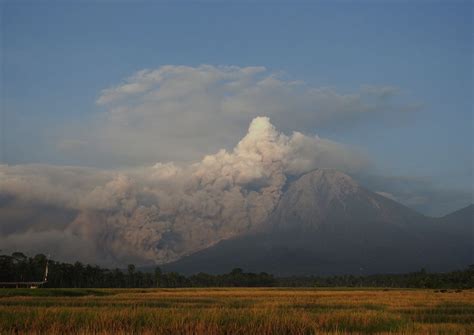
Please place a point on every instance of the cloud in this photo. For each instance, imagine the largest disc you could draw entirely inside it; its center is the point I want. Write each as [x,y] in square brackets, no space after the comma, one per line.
[175,198]
[163,211]
[421,194]
[64,186]
[158,213]
[54,242]
[181,113]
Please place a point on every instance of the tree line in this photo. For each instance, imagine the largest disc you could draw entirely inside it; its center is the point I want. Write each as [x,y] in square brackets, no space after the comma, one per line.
[462,279]
[18,267]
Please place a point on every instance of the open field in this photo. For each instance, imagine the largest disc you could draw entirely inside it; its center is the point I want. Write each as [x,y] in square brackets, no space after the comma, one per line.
[235,311]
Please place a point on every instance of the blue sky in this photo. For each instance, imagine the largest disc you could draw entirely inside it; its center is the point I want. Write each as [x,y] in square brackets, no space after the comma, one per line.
[57,57]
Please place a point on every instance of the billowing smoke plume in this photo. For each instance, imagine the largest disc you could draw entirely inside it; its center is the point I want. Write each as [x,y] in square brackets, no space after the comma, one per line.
[160,213]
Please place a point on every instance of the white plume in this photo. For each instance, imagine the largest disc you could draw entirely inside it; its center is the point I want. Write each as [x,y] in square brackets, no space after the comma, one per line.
[160,213]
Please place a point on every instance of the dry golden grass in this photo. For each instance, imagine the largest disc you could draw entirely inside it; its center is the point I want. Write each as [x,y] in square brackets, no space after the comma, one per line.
[236,311]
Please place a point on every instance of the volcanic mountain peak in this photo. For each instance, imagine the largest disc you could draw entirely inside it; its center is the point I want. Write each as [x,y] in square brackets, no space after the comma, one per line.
[309,199]
[325,223]
[329,199]
[328,183]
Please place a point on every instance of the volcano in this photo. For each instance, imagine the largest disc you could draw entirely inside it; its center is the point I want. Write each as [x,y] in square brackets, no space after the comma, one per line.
[326,223]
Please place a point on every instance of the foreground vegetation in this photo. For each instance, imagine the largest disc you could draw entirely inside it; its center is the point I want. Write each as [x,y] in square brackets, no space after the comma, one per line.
[18,267]
[158,306]
[235,311]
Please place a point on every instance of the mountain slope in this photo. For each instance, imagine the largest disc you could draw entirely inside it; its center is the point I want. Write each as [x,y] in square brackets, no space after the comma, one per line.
[325,223]
[459,222]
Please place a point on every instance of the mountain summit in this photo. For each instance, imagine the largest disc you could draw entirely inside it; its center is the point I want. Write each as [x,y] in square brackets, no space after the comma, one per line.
[310,199]
[326,223]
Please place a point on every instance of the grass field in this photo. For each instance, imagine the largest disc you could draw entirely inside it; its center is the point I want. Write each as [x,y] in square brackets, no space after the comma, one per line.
[235,311]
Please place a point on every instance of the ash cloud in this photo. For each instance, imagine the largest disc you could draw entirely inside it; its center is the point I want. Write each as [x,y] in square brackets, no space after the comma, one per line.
[181,113]
[159,213]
